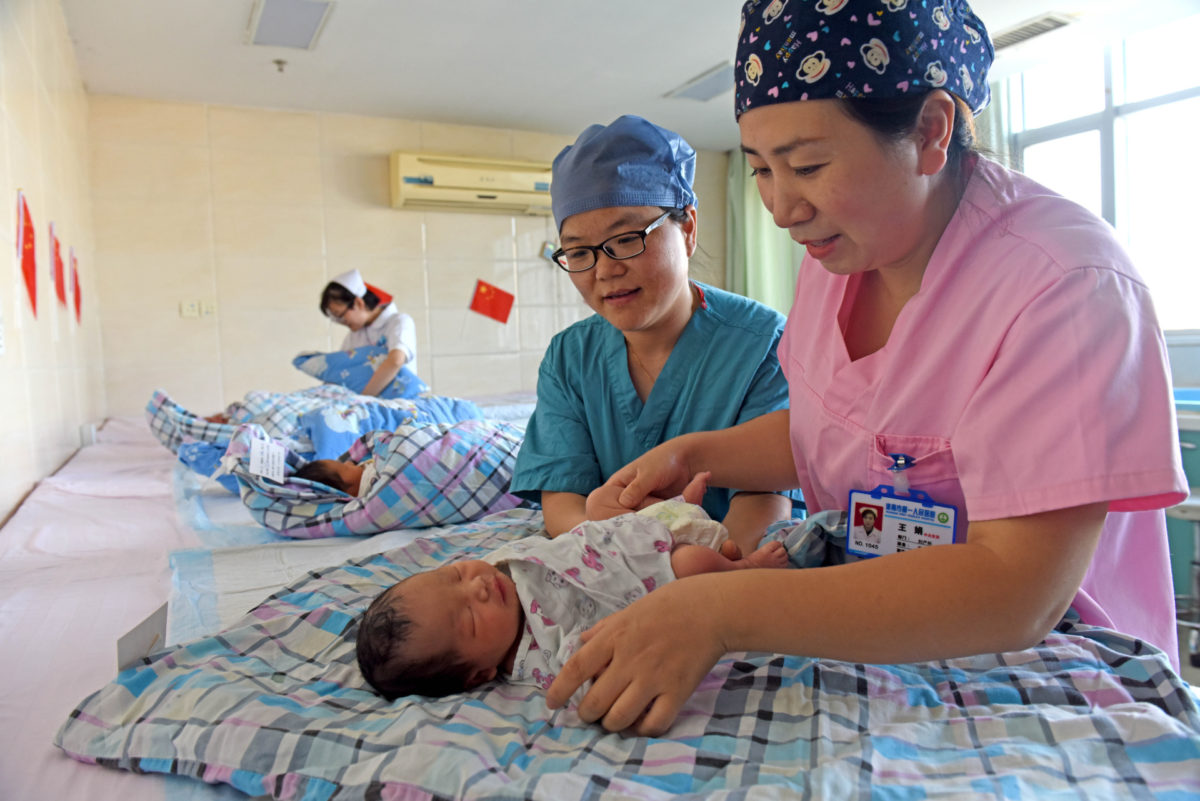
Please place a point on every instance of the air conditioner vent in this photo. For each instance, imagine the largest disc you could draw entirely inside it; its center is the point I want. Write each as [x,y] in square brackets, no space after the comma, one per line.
[1029,29]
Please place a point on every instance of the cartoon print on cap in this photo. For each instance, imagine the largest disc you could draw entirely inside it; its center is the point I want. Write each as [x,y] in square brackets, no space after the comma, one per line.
[935,75]
[875,55]
[813,67]
[965,76]
[830,7]
[772,12]
[940,19]
[754,68]
[923,46]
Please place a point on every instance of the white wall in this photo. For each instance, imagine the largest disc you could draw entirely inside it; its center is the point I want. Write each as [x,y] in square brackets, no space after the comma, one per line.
[51,370]
[255,210]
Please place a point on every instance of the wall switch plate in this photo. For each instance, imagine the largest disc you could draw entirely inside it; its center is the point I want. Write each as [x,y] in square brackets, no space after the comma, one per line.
[189,308]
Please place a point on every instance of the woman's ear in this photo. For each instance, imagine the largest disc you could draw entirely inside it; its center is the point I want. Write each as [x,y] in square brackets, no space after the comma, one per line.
[689,227]
[935,127]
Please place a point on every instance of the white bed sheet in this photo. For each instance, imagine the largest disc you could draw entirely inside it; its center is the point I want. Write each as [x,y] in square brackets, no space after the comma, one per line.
[83,560]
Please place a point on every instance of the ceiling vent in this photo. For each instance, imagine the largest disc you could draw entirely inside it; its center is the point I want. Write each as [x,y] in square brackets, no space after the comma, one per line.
[288,23]
[709,84]
[1029,29]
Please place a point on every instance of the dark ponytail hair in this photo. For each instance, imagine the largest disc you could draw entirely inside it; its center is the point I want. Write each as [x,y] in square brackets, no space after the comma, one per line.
[893,118]
[335,292]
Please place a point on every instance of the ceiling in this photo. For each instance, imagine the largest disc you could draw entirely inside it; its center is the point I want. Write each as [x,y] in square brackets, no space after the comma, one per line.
[554,66]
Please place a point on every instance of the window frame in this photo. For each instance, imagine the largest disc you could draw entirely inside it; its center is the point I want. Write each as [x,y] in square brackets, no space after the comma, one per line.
[1104,122]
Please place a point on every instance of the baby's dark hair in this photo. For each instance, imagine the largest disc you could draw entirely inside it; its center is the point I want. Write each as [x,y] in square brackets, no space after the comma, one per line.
[321,470]
[336,292]
[383,631]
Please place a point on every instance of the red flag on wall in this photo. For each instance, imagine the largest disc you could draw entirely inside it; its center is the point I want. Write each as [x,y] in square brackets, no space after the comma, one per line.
[492,301]
[75,287]
[56,268]
[25,250]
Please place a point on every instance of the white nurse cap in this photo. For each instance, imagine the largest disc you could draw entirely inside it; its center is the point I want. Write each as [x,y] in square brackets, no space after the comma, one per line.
[353,281]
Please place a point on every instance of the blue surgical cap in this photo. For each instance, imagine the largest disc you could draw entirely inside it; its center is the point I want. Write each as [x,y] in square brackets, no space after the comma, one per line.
[630,162]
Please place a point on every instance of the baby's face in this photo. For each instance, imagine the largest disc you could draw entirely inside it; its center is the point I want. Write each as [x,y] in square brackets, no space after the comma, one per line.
[349,475]
[470,608]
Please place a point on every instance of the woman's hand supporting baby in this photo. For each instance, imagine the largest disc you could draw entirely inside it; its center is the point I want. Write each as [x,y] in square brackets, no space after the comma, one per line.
[643,661]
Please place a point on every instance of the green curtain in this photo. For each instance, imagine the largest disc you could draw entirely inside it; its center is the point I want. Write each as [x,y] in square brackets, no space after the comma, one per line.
[761,260]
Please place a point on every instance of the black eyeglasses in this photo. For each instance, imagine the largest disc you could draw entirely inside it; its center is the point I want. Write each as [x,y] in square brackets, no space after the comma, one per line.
[578,258]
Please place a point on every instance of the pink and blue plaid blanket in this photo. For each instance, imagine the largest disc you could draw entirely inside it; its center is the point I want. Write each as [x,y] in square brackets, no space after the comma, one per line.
[275,706]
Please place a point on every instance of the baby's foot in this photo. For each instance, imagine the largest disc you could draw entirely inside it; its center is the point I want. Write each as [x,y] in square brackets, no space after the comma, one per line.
[773,554]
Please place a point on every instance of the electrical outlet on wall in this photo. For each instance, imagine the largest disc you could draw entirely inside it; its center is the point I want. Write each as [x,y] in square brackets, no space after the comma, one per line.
[208,308]
[189,308]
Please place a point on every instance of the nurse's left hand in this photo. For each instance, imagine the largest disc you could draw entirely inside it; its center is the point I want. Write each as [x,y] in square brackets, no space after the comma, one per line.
[646,660]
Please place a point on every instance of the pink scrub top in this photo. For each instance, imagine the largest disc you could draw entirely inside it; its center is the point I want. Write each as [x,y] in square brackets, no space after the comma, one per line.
[1028,374]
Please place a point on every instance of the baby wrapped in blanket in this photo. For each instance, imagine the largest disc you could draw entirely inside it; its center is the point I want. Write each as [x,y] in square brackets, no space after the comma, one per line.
[519,612]
[413,477]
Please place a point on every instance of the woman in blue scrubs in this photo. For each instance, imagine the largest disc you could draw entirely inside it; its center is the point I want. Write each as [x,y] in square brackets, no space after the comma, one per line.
[662,356]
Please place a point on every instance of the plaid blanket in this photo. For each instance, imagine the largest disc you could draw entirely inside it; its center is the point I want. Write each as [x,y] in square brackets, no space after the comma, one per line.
[278,413]
[429,475]
[275,706]
[319,422]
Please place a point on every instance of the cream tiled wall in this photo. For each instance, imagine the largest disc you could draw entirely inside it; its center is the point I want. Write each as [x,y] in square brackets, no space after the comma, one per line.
[51,368]
[254,210]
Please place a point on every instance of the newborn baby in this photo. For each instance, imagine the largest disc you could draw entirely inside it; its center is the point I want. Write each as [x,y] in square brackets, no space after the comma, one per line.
[348,477]
[519,611]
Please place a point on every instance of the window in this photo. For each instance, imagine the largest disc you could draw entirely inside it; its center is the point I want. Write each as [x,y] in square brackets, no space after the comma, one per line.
[1114,129]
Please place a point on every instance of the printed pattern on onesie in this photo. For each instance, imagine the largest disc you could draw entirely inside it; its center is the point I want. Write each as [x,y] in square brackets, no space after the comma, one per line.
[568,584]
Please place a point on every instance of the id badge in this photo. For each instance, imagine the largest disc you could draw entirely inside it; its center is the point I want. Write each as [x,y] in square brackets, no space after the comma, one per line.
[883,521]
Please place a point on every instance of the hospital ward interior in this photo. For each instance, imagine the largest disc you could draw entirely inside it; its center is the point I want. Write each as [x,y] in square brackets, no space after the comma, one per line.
[249,236]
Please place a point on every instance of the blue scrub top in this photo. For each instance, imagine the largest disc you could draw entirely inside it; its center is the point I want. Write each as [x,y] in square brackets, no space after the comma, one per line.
[589,421]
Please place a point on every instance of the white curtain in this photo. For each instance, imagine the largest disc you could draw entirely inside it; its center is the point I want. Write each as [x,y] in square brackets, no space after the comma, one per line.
[993,129]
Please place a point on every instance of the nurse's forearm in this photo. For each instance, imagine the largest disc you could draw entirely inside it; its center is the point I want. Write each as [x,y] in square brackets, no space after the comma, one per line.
[562,511]
[385,372]
[755,456]
[1001,590]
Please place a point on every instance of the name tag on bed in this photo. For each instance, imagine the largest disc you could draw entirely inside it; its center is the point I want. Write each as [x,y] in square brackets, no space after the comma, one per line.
[143,639]
[884,521]
[267,460]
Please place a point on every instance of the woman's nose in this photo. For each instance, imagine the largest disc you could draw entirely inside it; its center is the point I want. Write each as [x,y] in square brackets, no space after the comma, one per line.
[608,267]
[789,207]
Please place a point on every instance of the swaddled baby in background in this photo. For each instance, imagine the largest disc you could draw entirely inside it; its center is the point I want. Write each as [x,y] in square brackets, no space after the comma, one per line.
[519,612]
[352,478]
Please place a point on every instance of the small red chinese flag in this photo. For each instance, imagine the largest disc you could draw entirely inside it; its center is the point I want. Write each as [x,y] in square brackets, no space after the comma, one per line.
[56,266]
[492,301]
[25,250]
[75,287]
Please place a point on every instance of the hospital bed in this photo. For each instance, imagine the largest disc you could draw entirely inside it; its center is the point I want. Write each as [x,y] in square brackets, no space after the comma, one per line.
[122,527]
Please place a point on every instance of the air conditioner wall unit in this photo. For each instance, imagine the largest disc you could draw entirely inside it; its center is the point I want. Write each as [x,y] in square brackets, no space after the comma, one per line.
[436,181]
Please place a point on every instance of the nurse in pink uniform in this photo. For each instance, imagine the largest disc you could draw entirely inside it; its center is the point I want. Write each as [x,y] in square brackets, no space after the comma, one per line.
[950,310]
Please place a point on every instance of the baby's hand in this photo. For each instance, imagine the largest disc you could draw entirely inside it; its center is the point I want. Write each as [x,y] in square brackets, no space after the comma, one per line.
[694,491]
